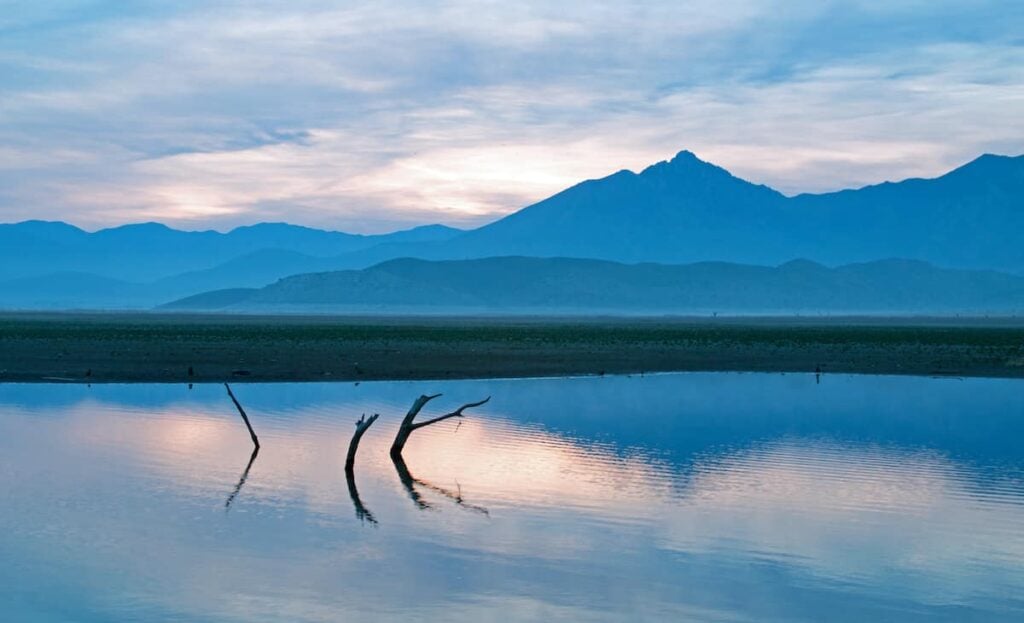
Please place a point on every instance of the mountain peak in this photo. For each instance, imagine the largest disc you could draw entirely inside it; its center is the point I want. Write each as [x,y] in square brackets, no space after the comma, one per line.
[279,228]
[687,157]
[42,225]
[989,162]
[685,163]
[148,226]
[989,157]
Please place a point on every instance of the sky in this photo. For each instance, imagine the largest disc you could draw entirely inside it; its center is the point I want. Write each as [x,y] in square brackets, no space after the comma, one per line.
[369,117]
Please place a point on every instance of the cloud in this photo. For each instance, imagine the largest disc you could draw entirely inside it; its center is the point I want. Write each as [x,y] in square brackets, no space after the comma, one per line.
[399,113]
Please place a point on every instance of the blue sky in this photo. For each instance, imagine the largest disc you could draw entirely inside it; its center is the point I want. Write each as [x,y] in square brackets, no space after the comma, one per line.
[373,116]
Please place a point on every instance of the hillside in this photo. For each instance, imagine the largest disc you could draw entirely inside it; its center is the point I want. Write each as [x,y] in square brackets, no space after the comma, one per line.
[147,252]
[687,210]
[46,265]
[684,210]
[560,285]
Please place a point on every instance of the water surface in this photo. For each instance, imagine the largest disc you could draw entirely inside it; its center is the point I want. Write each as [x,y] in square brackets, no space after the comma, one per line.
[732,497]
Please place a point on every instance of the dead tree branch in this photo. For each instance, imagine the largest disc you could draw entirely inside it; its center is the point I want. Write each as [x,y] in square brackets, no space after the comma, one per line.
[455,413]
[361,427]
[408,426]
[245,418]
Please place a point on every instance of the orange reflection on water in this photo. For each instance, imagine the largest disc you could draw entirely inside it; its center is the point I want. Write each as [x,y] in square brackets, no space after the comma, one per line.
[809,501]
[516,465]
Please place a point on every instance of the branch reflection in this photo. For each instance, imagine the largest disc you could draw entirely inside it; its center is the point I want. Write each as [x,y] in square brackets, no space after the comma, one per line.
[241,481]
[409,482]
[363,514]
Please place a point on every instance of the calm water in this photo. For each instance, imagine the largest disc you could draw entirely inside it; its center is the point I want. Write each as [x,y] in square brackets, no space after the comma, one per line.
[678,497]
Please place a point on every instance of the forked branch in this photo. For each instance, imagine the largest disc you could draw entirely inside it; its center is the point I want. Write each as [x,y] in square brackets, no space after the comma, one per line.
[408,425]
[455,413]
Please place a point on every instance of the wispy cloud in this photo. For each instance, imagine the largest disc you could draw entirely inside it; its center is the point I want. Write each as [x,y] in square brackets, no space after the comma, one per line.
[371,116]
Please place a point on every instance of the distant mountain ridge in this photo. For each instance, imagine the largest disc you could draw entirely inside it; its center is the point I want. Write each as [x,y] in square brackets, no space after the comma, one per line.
[150,251]
[564,285]
[47,265]
[687,210]
[679,211]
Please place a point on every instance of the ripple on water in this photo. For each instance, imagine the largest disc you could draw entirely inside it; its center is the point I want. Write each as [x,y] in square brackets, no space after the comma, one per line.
[749,496]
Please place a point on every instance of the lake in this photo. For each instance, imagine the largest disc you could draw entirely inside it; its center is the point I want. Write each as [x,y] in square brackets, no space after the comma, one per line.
[710,497]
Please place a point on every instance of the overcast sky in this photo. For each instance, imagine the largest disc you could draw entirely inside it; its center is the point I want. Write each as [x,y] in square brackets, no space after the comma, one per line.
[373,116]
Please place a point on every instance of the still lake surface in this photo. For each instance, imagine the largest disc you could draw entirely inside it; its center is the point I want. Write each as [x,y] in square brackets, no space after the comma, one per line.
[710,497]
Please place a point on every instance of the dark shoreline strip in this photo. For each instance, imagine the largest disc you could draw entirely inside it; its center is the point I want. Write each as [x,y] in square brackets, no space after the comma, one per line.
[104,348]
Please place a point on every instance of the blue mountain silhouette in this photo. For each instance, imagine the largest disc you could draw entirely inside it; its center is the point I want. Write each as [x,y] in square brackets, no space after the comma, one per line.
[563,285]
[687,210]
[679,211]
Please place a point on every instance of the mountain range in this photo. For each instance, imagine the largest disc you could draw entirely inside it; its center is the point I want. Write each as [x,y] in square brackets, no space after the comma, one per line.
[150,251]
[580,286]
[46,265]
[687,210]
[681,211]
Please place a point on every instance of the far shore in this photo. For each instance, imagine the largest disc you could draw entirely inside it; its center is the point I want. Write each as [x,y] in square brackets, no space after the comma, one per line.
[182,348]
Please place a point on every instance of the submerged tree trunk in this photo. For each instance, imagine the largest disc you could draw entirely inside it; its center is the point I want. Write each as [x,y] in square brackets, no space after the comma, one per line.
[408,426]
[245,418]
[405,428]
[361,427]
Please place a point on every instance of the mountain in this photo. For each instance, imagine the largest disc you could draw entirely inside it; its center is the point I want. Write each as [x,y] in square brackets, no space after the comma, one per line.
[970,217]
[680,211]
[687,210]
[52,265]
[562,285]
[147,252]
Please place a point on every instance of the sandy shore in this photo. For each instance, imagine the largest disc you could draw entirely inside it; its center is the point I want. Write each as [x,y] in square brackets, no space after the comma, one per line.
[38,347]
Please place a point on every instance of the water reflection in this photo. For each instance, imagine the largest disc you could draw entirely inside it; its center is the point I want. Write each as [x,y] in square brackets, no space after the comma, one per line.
[410,482]
[363,514]
[663,498]
[242,479]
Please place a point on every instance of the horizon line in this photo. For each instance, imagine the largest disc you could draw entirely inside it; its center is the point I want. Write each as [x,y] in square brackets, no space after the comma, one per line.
[681,152]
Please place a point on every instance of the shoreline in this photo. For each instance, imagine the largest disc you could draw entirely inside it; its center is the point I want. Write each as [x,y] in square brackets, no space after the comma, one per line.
[146,348]
[569,376]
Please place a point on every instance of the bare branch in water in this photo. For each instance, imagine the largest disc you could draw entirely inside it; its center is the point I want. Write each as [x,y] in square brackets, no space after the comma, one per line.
[455,413]
[245,418]
[362,425]
[408,425]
